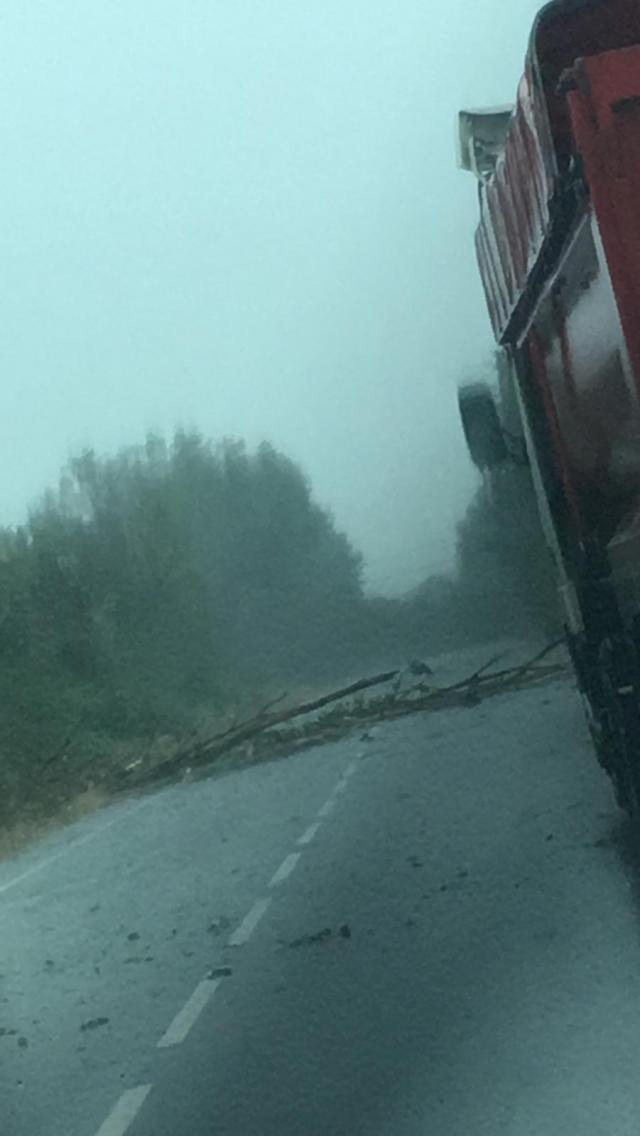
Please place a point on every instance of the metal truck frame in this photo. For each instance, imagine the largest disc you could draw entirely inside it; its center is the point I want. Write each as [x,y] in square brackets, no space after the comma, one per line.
[558,247]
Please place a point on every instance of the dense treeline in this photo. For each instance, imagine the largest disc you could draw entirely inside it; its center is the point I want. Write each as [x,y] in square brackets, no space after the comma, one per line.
[154,586]
[157,590]
[503,586]
[506,578]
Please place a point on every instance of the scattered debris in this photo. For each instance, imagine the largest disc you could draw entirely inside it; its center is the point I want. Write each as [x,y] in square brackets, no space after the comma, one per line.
[219,926]
[344,931]
[23,1043]
[309,940]
[133,936]
[93,1023]
[220,972]
[455,884]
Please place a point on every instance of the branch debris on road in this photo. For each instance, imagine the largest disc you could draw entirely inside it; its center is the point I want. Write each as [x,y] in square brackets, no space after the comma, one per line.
[272,733]
[343,932]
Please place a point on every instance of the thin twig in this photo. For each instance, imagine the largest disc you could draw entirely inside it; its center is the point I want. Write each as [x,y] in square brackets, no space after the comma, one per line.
[471,678]
[270,705]
[541,655]
[59,750]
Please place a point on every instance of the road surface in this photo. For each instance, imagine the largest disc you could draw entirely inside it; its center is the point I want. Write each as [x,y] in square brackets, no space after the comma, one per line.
[434,932]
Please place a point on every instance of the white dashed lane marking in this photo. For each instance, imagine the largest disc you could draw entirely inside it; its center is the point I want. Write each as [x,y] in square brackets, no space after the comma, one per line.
[130,1103]
[243,933]
[308,836]
[285,869]
[125,1111]
[328,807]
[189,1014]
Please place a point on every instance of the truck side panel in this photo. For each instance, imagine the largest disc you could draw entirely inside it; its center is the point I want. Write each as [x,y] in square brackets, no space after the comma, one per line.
[577,345]
[605,113]
[514,212]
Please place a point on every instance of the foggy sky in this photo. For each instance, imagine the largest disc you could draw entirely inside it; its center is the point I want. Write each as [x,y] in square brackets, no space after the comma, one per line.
[244,216]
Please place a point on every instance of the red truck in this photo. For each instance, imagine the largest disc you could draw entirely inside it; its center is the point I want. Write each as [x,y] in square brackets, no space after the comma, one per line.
[558,247]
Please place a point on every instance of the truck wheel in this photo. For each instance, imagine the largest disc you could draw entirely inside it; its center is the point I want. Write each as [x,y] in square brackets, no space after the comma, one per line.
[620,721]
[612,744]
[481,424]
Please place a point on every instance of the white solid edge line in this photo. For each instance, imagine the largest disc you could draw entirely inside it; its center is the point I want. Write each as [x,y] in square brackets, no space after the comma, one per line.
[189,1013]
[350,770]
[124,1112]
[93,835]
[340,785]
[245,930]
[285,869]
[328,807]
[308,836]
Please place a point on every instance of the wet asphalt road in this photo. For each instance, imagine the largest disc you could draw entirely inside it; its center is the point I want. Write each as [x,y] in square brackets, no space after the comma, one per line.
[449,946]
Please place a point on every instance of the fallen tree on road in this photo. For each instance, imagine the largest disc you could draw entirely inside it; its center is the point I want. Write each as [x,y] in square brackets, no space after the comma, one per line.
[270,732]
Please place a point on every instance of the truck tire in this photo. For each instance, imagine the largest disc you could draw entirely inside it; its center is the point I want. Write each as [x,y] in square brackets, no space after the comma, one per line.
[619,734]
[481,425]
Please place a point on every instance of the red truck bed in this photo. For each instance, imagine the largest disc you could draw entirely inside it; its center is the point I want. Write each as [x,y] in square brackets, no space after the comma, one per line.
[558,246]
[518,202]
